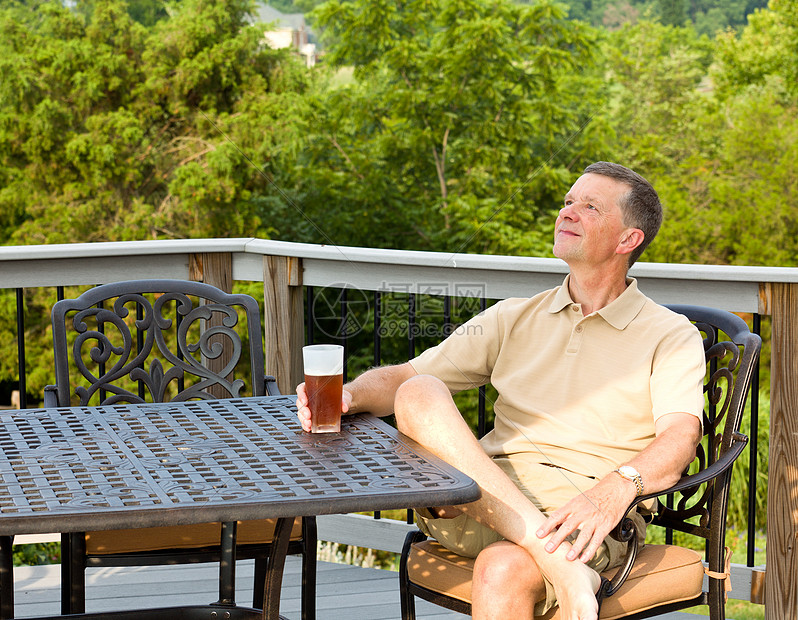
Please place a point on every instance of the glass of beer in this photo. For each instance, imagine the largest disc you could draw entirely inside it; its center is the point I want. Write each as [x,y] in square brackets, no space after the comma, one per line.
[324,382]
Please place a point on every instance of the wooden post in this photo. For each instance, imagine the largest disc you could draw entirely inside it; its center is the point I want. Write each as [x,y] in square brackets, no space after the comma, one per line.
[781,584]
[283,320]
[215,269]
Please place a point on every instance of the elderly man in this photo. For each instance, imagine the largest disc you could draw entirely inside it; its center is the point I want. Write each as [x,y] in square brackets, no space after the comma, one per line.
[599,400]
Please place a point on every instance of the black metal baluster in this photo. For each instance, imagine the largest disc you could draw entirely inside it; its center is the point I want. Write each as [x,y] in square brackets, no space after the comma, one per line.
[377,328]
[377,358]
[411,325]
[181,383]
[411,352]
[447,315]
[310,336]
[482,424]
[23,385]
[344,330]
[712,412]
[753,451]
[140,343]
[101,329]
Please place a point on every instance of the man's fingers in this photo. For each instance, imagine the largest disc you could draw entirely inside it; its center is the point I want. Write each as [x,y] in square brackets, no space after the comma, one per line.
[301,395]
[302,411]
[552,522]
[585,537]
[588,553]
[346,401]
[559,535]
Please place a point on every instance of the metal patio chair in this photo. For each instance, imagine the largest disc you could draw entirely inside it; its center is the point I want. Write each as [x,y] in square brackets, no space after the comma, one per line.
[653,579]
[156,341]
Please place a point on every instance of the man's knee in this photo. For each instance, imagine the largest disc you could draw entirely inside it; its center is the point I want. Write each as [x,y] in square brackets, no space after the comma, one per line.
[504,566]
[420,395]
[420,388]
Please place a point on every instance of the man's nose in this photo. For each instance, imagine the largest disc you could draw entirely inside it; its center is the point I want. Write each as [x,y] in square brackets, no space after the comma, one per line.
[568,212]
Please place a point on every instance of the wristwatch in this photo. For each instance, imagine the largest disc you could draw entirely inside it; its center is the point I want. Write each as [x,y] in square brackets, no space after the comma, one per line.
[630,473]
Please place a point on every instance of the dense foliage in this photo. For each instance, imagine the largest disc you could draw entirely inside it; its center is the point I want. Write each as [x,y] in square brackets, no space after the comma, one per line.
[707,16]
[429,124]
[111,131]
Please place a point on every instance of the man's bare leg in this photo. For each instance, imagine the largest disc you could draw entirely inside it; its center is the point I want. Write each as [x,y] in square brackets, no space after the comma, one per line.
[426,412]
[506,584]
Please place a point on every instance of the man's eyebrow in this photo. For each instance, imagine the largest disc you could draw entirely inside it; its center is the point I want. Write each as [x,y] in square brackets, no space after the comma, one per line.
[594,200]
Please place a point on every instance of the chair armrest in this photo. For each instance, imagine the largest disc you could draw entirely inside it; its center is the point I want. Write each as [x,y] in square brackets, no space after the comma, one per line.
[271,386]
[726,460]
[626,531]
[50,396]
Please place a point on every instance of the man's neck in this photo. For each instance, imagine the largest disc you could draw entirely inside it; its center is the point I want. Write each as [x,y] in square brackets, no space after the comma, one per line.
[594,289]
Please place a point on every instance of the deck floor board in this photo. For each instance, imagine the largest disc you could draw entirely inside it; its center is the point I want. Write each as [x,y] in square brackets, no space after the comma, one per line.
[344,592]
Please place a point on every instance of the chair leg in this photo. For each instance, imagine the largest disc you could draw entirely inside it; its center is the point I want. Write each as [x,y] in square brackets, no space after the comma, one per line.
[406,597]
[66,576]
[73,573]
[309,538]
[6,577]
[260,581]
[717,599]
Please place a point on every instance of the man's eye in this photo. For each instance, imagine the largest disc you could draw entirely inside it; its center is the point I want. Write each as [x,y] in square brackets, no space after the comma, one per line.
[590,206]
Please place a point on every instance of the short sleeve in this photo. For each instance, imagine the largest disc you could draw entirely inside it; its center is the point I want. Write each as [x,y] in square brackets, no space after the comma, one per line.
[677,376]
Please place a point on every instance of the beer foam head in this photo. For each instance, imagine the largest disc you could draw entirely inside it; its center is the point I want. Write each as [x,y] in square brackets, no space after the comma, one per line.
[323,359]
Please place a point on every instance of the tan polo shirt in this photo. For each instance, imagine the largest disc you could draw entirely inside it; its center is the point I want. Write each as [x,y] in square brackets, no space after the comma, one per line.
[581,393]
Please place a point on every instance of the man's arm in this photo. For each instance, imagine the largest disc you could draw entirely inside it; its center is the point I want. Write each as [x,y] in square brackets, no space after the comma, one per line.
[597,511]
[373,391]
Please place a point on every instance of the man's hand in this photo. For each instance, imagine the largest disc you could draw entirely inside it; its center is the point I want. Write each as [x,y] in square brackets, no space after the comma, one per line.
[303,412]
[594,513]
[598,510]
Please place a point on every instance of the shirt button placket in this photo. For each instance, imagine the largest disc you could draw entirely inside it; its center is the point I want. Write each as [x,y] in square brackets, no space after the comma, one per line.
[576,334]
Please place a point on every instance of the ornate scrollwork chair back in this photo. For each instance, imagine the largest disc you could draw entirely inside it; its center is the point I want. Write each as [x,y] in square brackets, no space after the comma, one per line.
[655,578]
[157,341]
[157,344]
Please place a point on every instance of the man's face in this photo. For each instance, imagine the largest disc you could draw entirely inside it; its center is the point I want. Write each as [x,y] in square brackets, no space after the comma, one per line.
[590,225]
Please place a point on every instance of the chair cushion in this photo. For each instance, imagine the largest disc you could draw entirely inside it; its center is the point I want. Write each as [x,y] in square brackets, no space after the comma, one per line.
[199,535]
[671,574]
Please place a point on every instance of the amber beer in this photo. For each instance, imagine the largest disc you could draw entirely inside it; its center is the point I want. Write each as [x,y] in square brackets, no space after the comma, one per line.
[324,381]
[324,401]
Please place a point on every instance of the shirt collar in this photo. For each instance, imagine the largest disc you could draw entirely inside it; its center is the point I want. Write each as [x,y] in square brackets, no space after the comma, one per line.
[619,313]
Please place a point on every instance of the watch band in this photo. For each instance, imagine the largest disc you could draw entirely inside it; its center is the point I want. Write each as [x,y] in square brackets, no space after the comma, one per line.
[630,473]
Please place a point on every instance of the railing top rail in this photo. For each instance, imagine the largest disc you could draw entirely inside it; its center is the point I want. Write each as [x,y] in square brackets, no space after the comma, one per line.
[121,248]
[356,255]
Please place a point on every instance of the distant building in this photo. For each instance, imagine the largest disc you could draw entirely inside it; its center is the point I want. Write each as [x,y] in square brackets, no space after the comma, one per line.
[287,30]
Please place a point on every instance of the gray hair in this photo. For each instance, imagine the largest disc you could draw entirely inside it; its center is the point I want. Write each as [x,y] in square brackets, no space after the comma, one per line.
[640,206]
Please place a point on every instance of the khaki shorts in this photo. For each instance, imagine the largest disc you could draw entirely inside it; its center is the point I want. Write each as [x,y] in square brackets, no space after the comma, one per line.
[548,488]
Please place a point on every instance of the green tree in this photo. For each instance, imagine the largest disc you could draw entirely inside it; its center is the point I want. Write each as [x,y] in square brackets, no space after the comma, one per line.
[462,125]
[656,72]
[109,131]
[731,199]
[672,12]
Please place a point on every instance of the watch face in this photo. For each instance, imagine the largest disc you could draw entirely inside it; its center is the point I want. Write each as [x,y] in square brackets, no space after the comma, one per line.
[628,471]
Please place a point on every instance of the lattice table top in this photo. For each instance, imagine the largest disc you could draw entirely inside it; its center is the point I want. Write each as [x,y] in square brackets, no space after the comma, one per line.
[73,469]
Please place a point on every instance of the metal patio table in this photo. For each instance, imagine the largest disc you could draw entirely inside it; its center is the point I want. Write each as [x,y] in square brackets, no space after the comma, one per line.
[146,465]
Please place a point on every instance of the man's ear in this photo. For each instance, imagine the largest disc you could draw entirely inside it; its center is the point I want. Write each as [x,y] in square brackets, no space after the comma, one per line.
[630,239]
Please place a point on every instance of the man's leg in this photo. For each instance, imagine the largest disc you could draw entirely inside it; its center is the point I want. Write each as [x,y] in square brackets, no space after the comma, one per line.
[426,412]
[506,584]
